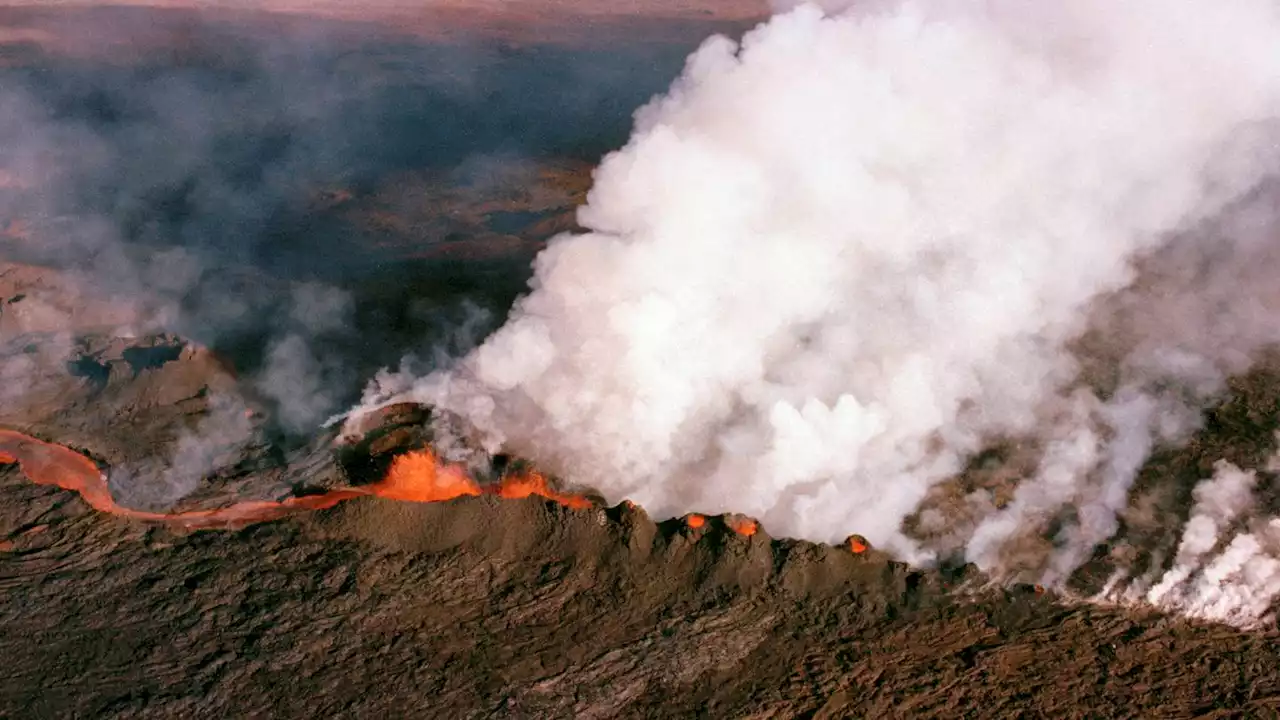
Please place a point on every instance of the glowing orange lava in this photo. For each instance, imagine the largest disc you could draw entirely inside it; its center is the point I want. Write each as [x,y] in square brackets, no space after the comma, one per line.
[419,477]
[48,464]
[413,477]
[857,544]
[524,484]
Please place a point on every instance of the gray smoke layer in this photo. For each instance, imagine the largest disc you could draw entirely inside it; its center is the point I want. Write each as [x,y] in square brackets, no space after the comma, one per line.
[180,162]
[214,442]
[163,179]
[840,258]
[176,159]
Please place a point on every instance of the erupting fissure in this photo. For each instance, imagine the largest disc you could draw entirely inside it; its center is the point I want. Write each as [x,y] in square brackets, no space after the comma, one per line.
[416,476]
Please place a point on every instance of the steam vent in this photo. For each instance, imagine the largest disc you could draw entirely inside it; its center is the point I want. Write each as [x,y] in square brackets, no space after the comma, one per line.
[571,359]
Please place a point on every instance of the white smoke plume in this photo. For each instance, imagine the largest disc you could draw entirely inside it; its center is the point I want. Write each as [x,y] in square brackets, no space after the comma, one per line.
[1235,581]
[837,259]
[302,385]
[1218,502]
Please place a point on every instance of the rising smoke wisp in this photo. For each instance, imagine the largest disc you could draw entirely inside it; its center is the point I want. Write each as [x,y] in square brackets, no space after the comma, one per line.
[838,259]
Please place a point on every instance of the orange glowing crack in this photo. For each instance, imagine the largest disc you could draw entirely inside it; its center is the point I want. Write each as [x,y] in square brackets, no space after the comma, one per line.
[413,477]
[529,483]
[695,521]
[744,526]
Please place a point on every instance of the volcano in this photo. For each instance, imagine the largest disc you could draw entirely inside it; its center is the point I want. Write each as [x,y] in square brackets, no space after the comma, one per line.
[218,224]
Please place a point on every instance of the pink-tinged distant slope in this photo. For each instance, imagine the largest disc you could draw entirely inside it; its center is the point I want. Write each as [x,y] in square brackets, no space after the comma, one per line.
[576,22]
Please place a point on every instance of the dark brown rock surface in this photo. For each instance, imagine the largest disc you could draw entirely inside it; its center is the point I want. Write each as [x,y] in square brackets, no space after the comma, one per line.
[481,608]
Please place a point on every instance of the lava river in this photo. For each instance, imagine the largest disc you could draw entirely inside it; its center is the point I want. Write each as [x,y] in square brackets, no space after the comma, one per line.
[413,477]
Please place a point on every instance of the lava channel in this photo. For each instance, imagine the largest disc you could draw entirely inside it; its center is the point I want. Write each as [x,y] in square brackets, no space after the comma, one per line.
[413,477]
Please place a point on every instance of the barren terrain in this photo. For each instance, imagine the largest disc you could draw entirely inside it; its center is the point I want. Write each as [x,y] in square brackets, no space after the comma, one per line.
[484,607]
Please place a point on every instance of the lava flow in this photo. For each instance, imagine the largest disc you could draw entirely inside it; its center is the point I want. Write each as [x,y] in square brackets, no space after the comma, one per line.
[524,484]
[414,477]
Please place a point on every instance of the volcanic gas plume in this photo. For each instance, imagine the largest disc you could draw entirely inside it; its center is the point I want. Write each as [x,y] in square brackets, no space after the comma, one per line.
[838,259]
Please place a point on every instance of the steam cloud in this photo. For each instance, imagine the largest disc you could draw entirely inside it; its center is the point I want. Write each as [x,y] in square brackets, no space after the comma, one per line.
[837,260]
[1219,501]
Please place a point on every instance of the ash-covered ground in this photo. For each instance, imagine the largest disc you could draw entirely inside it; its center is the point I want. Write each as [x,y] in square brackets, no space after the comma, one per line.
[377,191]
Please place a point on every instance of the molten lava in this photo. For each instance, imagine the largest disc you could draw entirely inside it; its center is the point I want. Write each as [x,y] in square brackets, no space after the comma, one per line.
[414,477]
[419,477]
[524,484]
[48,464]
[857,544]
